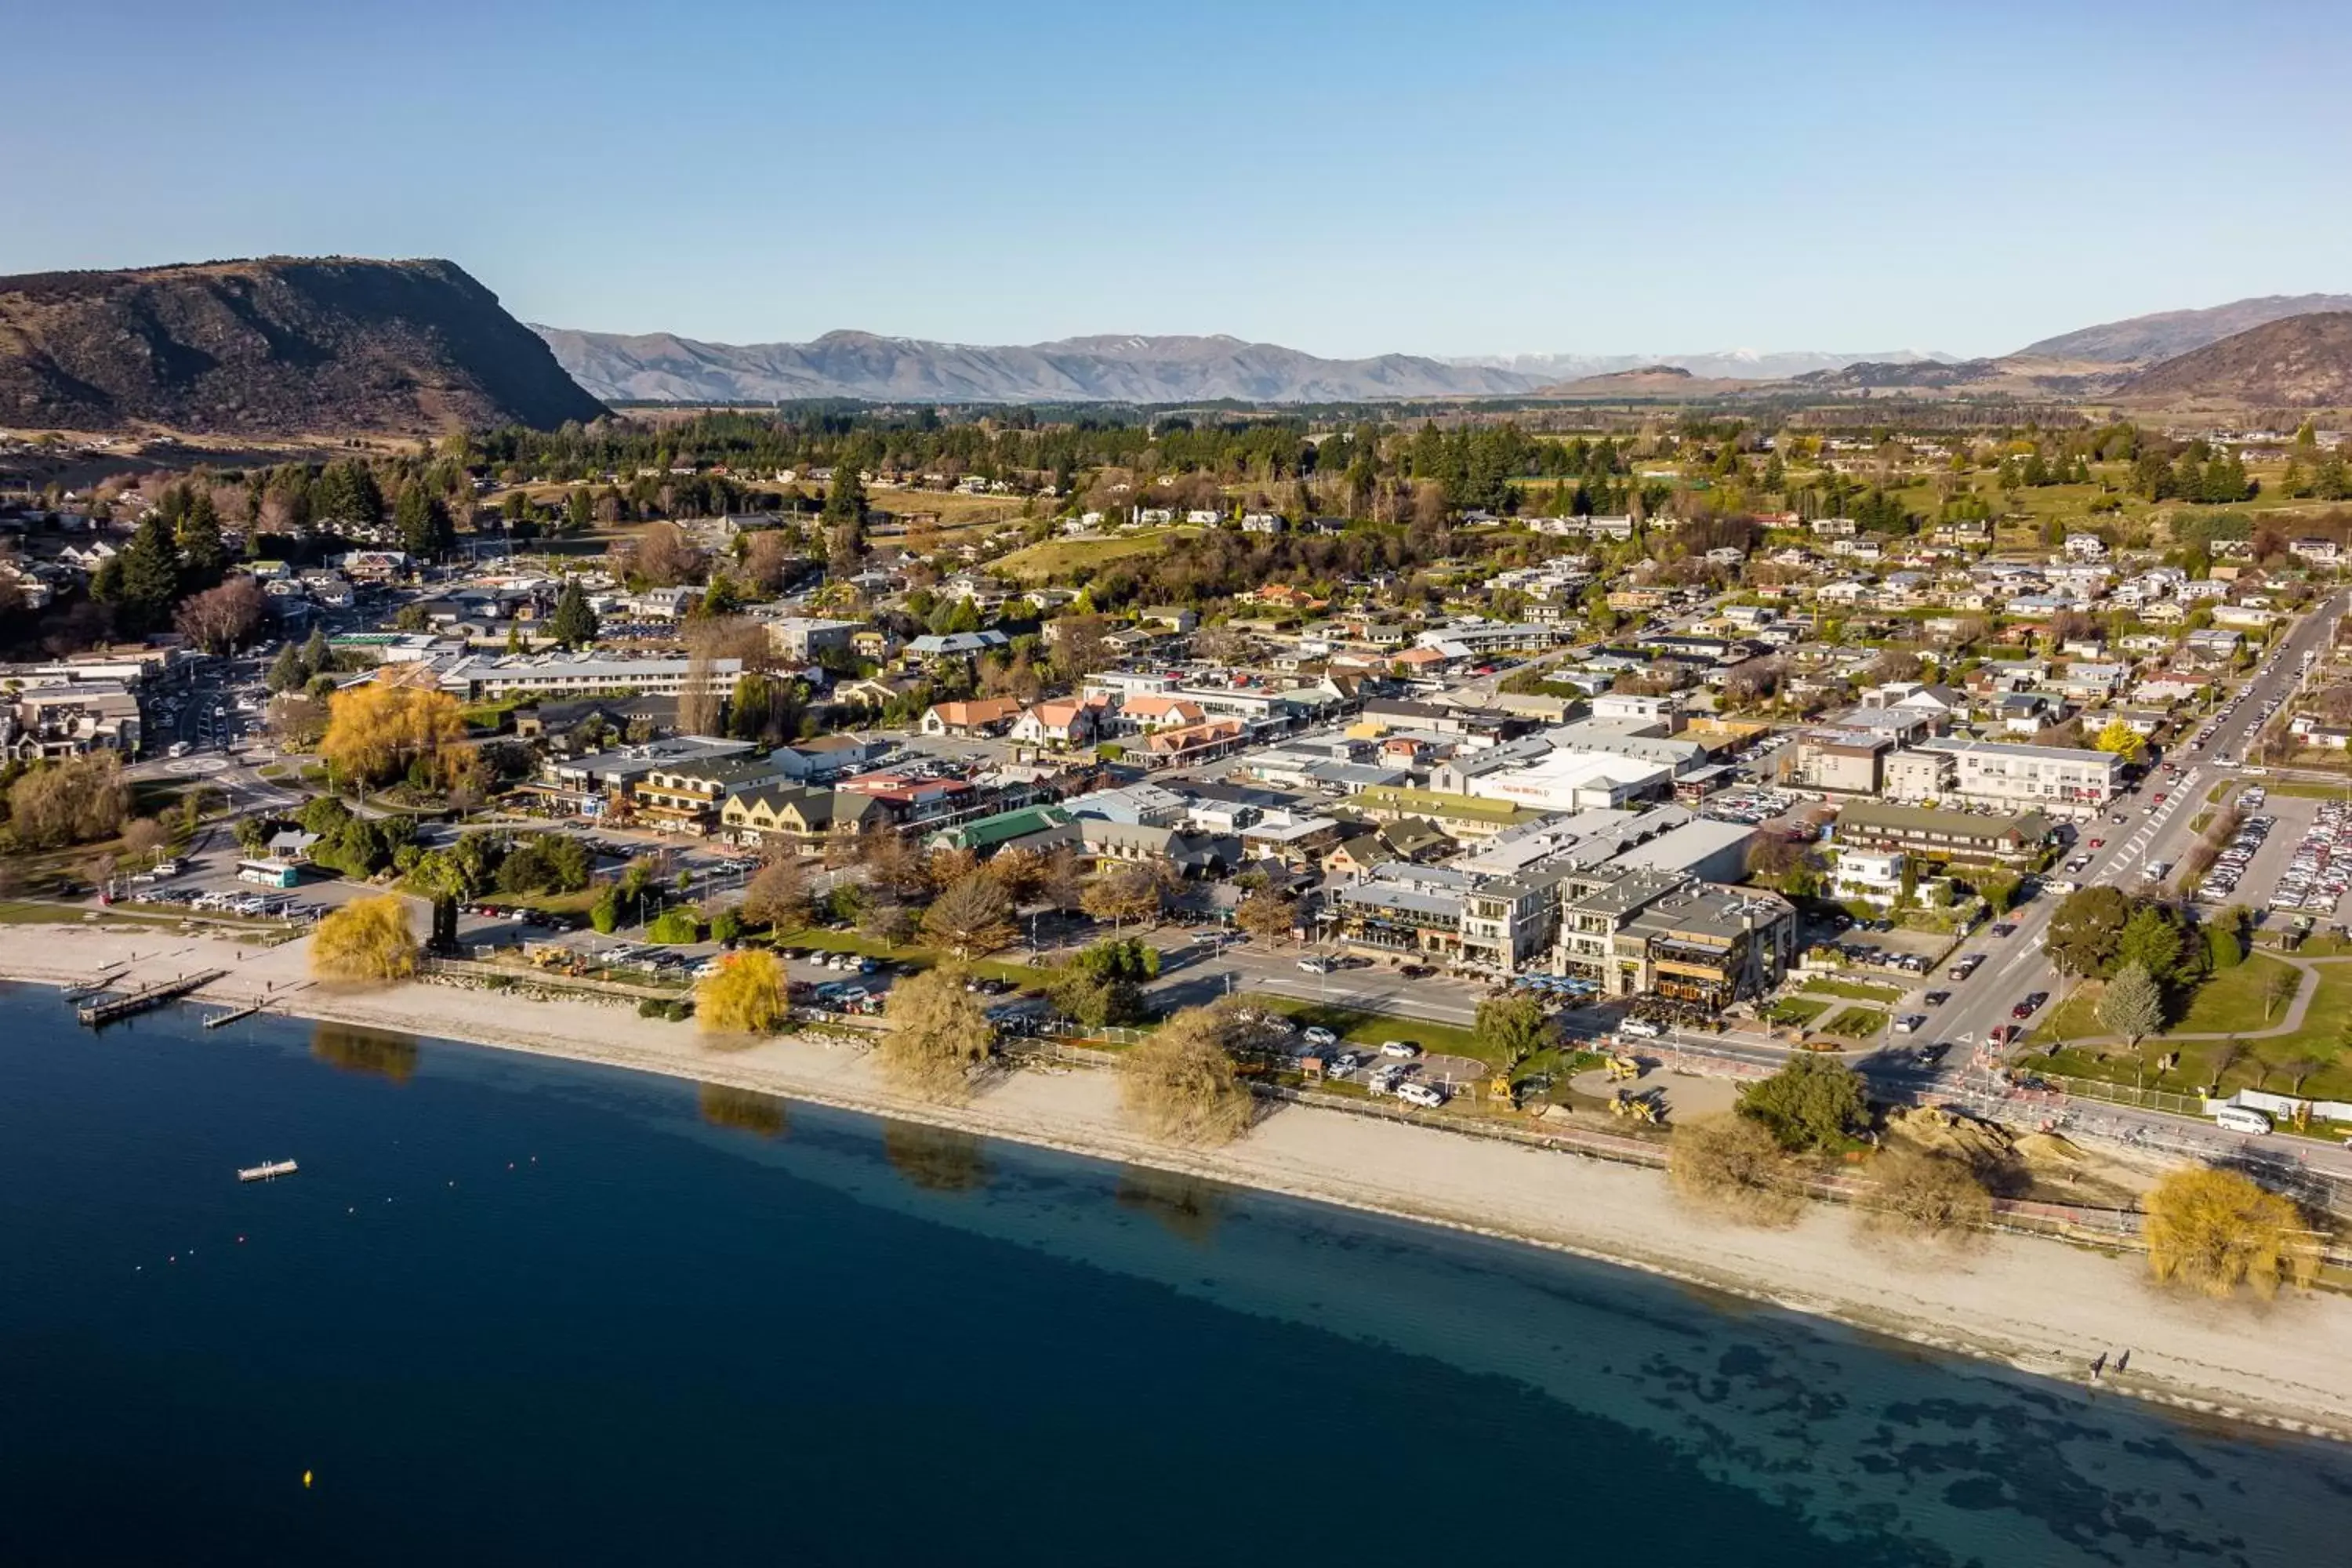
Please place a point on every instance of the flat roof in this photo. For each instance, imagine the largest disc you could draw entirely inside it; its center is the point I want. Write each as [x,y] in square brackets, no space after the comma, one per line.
[2032,824]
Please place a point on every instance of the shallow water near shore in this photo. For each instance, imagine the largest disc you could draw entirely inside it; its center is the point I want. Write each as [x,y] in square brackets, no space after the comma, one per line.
[527,1311]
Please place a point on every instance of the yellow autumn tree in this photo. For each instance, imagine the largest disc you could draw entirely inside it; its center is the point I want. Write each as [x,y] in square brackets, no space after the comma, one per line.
[377,732]
[2217,1230]
[2120,739]
[366,943]
[746,997]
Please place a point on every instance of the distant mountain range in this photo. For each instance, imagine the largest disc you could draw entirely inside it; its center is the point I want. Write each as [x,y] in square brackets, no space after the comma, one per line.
[2145,339]
[274,346]
[288,346]
[665,368]
[661,367]
[1730,364]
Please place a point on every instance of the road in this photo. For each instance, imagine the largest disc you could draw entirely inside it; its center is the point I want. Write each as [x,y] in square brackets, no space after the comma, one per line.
[2015,966]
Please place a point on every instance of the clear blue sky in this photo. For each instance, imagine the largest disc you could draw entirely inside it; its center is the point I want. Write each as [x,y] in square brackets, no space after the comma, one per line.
[1347,178]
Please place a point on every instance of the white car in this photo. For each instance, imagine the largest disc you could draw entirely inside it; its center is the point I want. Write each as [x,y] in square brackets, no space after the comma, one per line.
[1639,1029]
[1421,1094]
[1404,1048]
[1320,1036]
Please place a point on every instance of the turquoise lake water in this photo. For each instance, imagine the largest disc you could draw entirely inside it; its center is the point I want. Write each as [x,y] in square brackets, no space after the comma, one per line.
[515,1311]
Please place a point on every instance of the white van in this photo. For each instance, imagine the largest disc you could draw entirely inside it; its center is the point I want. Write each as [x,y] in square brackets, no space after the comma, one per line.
[2239,1119]
[1639,1029]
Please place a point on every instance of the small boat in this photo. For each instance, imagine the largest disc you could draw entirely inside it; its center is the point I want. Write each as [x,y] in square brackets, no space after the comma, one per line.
[266,1171]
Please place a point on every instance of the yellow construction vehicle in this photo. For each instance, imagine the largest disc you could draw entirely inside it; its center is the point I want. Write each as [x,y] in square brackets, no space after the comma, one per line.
[1623,1067]
[1642,1108]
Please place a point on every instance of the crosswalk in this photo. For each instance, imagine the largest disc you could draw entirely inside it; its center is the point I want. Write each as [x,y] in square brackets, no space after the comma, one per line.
[2123,862]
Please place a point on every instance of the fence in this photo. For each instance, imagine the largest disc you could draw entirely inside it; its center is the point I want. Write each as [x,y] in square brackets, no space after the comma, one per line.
[543,979]
[2125,1094]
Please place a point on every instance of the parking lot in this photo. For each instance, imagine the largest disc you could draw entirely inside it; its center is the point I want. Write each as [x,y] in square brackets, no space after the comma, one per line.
[1749,805]
[2292,857]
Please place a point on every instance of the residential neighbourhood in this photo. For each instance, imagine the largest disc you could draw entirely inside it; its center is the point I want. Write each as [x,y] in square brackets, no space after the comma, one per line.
[1740,785]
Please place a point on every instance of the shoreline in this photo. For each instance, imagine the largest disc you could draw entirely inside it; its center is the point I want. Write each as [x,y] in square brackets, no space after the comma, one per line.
[2033,1305]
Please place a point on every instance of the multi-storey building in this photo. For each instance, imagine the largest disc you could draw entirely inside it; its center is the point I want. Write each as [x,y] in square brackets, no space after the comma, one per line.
[2051,777]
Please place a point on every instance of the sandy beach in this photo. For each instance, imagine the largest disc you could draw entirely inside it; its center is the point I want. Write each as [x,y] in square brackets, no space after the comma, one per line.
[2042,1306]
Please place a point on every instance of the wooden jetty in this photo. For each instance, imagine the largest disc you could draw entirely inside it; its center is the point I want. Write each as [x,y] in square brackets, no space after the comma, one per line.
[96,984]
[232,1015]
[140,1001]
[268,1171]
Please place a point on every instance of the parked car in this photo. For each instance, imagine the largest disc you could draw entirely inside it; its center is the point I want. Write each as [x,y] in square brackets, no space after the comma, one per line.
[1910,1023]
[1427,1095]
[1319,1036]
[1404,1049]
[1639,1029]
[1316,966]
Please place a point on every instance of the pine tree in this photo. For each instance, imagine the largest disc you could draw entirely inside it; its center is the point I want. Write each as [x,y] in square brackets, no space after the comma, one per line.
[146,582]
[2133,1006]
[199,538]
[574,622]
[423,523]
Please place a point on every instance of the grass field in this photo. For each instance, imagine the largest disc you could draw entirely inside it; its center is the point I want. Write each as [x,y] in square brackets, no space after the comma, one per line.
[2228,1004]
[2307,789]
[1855,1023]
[1040,562]
[1853,990]
[1797,1011]
[825,940]
[1359,1026]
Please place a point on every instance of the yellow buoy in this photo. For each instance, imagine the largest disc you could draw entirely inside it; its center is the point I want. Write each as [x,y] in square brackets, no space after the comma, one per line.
[306,1479]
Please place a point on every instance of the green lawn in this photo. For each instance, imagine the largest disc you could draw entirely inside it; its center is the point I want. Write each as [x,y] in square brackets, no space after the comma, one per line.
[827,940]
[2231,1002]
[1799,1011]
[1359,1026]
[1855,1023]
[1853,990]
[2306,789]
[1055,557]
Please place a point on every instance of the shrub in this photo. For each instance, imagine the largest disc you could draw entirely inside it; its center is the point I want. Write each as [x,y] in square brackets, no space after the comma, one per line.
[675,928]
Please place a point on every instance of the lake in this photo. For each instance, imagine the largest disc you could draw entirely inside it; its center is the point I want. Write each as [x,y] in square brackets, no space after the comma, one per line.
[514,1310]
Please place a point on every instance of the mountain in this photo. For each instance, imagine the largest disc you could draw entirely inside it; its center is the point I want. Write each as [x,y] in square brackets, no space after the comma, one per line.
[2145,339]
[2301,362]
[1649,381]
[278,346]
[666,368]
[1729,364]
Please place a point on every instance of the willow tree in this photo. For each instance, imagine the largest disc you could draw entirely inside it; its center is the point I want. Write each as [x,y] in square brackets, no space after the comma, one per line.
[938,1034]
[1180,1082]
[2217,1230]
[745,995]
[367,941]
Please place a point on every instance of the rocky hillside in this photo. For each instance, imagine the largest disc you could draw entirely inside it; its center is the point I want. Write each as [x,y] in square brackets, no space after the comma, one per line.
[277,346]
[2303,361]
[665,368]
[2145,339]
